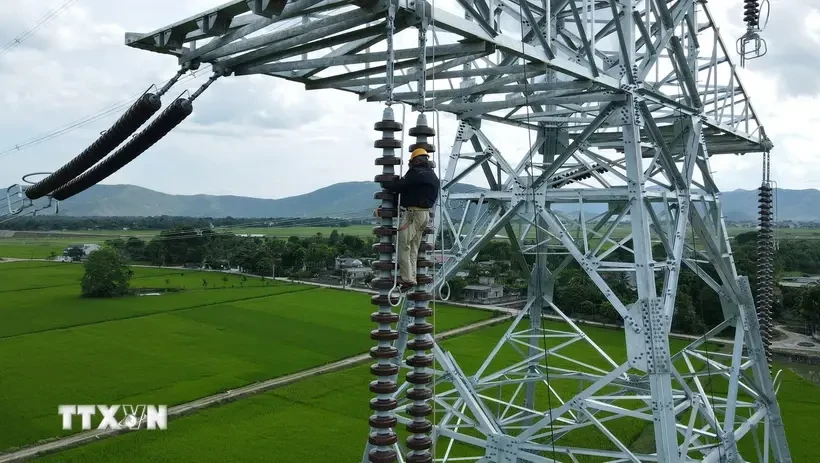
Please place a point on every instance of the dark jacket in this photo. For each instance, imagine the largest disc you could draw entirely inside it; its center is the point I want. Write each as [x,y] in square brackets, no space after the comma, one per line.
[418,188]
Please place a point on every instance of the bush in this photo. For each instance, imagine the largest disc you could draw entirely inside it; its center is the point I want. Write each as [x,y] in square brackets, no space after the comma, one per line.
[106,274]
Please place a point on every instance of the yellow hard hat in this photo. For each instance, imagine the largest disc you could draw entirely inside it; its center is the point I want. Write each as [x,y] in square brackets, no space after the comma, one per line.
[418,152]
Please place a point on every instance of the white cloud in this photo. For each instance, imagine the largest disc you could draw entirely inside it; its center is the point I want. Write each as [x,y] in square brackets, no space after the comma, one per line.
[268,137]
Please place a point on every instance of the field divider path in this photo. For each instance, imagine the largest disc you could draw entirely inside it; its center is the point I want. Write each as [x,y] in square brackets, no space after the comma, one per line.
[231,395]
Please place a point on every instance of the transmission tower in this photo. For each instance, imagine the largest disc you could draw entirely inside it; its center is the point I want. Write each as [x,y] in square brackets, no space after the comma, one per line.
[623,103]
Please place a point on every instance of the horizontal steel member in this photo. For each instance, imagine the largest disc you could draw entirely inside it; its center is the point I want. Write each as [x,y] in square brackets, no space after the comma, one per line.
[521,101]
[452,23]
[258,41]
[317,32]
[442,51]
[190,24]
[229,18]
[351,80]
[518,88]
[572,195]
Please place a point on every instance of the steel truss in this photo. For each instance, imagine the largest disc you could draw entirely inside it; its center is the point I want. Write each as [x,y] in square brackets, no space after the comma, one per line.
[625,102]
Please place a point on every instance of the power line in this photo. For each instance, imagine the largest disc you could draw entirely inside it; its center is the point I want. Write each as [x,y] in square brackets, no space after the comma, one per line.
[66,4]
[86,120]
[108,110]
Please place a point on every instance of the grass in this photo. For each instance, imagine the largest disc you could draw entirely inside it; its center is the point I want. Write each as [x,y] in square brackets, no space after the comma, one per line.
[324,419]
[15,276]
[799,401]
[47,296]
[317,419]
[58,348]
[37,248]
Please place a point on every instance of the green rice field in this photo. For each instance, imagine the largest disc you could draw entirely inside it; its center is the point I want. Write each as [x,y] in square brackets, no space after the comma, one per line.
[324,418]
[58,348]
[197,340]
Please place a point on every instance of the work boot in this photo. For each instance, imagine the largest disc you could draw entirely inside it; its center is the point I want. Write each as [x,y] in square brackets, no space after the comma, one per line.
[405,285]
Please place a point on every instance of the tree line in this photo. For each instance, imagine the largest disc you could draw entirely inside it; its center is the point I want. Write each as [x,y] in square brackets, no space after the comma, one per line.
[697,306]
[295,256]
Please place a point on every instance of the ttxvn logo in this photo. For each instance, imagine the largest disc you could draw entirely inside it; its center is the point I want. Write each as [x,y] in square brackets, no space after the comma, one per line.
[116,416]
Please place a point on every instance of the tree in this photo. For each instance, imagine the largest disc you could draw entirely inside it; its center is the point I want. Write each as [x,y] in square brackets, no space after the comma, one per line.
[75,252]
[457,286]
[318,257]
[686,319]
[135,248]
[810,307]
[334,238]
[609,313]
[294,256]
[586,308]
[499,268]
[106,274]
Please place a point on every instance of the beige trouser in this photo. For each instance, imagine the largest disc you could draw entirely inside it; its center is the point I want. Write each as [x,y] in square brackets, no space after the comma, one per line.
[412,228]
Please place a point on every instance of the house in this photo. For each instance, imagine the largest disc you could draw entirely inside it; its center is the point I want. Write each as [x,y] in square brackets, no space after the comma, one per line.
[347,263]
[353,275]
[800,282]
[77,252]
[485,292]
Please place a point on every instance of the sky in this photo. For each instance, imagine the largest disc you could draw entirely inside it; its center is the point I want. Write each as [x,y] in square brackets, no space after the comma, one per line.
[265,137]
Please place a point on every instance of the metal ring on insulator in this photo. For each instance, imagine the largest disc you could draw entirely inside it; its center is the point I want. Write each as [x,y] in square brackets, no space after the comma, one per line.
[447,284]
[777,381]
[27,176]
[399,298]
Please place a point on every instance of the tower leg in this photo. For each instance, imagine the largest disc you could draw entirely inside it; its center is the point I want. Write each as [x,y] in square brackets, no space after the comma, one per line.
[648,308]
[762,376]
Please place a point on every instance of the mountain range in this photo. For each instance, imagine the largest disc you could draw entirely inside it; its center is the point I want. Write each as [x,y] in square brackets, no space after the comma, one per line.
[351,200]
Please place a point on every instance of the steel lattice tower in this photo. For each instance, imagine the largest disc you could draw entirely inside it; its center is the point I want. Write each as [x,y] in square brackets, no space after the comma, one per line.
[624,102]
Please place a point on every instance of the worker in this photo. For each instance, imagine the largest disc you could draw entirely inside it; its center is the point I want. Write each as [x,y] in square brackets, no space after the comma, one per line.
[419,189]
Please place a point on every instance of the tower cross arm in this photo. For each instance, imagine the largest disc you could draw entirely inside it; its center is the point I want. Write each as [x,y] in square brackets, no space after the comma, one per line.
[512,46]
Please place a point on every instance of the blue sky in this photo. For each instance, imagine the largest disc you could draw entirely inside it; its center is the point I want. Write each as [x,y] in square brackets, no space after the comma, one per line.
[257,136]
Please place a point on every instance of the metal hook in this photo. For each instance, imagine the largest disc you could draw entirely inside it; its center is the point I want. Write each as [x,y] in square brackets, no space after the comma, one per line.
[154,86]
[751,46]
[180,95]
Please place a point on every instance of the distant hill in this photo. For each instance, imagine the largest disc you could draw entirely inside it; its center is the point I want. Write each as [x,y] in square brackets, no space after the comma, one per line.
[797,205]
[352,200]
[348,200]
[129,200]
